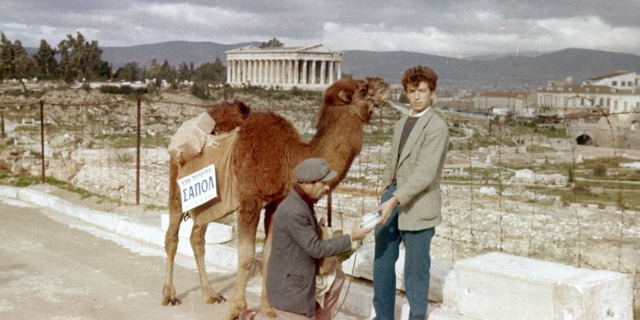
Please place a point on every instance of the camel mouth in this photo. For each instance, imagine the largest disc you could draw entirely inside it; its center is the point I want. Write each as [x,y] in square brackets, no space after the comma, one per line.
[381,98]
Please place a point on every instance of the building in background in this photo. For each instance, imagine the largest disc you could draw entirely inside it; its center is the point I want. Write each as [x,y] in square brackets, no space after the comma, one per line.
[310,68]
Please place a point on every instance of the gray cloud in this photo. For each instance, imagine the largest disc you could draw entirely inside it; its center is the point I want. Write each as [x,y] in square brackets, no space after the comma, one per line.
[436,27]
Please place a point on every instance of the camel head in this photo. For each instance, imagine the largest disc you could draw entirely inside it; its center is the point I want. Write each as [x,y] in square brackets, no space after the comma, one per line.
[362,94]
[228,115]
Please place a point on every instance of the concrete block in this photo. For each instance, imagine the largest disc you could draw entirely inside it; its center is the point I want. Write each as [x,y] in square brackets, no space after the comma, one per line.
[36,197]
[9,192]
[500,286]
[66,207]
[216,232]
[441,314]
[358,300]
[363,261]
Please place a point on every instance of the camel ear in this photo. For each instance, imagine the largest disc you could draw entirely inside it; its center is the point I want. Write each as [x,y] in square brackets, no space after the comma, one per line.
[345,96]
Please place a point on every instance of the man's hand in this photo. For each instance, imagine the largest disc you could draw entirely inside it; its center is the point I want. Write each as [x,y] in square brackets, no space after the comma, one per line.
[386,208]
[358,233]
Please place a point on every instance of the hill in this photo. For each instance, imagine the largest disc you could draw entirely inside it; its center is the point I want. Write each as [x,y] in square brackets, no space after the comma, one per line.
[528,71]
[175,52]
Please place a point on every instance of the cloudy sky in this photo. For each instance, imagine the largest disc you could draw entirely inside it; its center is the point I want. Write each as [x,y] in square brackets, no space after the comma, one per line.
[448,28]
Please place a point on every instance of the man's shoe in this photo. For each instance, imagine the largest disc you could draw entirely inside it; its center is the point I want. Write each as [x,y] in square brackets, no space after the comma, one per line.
[247,315]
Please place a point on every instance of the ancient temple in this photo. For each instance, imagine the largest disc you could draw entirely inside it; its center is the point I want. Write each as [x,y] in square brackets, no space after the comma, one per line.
[310,68]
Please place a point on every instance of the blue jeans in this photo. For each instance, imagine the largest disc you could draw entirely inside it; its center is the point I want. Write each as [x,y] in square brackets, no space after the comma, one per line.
[417,264]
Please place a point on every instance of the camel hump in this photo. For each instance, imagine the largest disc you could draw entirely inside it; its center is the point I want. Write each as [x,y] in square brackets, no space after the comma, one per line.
[229,115]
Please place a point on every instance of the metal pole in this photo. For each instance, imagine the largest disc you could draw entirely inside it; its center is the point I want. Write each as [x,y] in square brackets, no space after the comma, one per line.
[329,209]
[138,156]
[42,137]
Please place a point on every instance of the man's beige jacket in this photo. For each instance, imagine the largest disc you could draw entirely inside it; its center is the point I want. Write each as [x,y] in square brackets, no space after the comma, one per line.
[419,168]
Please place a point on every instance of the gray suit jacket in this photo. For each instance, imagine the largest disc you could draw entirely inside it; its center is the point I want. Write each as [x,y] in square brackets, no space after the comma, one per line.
[418,171]
[295,248]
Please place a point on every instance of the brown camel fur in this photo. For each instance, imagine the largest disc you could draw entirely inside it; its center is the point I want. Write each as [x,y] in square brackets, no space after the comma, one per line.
[264,156]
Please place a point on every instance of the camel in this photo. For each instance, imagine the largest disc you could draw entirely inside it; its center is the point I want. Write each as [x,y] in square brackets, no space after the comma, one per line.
[264,156]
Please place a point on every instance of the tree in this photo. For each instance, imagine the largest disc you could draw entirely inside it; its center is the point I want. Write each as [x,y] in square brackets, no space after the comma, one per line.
[24,65]
[79,58]
[45,61]
[273,43]
[6,57]
[208,72]
[129,72]
[185,71]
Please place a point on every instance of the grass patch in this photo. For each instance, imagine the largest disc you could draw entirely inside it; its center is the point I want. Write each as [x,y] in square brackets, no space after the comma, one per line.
[23,180]
[153,207]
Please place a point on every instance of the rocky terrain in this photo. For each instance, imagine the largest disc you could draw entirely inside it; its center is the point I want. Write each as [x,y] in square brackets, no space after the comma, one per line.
[491,201]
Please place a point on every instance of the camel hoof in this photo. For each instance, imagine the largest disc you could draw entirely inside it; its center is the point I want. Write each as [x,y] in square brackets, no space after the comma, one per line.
[215,299]
[170,302]
[269,312]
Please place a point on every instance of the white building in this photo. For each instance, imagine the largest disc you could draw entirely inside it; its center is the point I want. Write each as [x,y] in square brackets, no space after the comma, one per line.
[621,80]
[311,68]
[504,102]
[616,93]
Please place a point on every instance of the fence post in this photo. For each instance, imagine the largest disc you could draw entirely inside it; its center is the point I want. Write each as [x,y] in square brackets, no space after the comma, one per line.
[2,120]
[42,137]
[138,156]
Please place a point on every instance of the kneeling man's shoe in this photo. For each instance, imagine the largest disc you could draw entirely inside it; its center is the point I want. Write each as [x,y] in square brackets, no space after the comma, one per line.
[247,315]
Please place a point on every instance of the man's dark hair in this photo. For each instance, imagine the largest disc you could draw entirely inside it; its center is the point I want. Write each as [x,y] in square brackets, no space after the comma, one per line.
[418,74]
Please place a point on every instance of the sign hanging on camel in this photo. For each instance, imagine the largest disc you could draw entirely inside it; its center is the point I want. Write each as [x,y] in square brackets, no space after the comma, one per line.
[198,188]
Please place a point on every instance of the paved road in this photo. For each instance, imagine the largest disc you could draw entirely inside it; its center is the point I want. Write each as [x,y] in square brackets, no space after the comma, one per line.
[55,267]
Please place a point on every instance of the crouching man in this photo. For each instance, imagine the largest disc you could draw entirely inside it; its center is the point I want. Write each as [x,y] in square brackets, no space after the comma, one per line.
[296,248]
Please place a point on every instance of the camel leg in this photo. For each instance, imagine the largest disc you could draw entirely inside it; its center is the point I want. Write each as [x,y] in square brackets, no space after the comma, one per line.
[248,218]
[171,237]
[171,247]
[197,243]
[270,209]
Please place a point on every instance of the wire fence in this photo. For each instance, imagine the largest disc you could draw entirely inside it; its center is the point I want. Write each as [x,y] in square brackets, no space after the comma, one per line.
[565,192]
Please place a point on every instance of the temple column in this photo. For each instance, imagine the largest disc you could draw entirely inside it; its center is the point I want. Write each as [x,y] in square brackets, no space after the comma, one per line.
[296,72]
[228,71]
[303,78]
[271,71]
[283,72]
[254,72]
[323,71]
[313,72]
[290,73]
[244,72]
[331,72]
[339,73]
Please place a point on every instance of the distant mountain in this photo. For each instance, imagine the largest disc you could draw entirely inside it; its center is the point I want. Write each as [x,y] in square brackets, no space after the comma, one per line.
[527,71]
[175,52]
[489,57]
[507,73]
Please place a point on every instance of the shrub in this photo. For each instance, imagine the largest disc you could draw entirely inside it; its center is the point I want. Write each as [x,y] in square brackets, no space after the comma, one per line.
[600,170]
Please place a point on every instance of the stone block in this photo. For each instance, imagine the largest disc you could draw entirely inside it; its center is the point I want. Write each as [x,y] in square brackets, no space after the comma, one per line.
[441,314]
[358,300]
[500,286]
[363,260]
[36,197]
[216,232]
[9,192]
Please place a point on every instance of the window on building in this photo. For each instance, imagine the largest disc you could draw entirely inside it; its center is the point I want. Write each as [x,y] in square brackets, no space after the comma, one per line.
[601,101]
[614,83]
[615,106]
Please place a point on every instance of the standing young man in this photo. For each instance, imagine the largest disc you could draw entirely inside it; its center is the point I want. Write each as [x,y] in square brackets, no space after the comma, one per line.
[296,248]
[411,203]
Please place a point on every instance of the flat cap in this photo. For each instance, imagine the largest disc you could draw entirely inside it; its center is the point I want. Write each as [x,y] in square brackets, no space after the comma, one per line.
[314,169]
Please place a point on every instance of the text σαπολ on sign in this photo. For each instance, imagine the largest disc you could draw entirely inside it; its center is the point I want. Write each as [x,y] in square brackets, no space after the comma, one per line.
[198,188]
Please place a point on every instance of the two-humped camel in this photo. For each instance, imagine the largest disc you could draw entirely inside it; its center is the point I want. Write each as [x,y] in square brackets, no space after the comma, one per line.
[264,157]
